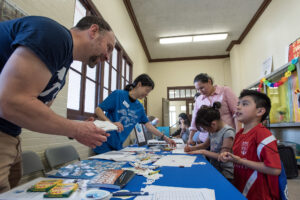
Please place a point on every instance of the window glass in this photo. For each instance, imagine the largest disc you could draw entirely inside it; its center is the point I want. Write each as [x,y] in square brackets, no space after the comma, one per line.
[127,72]
[115,58]
[188,92]
[106,74]
[91,72]
[89,102]
[113,80]
[105,93]
[171,94]
[172,108]
[182,93]
[80,12]
[183,108]
[77,65]
[123,67]
[74,90]
[177,94]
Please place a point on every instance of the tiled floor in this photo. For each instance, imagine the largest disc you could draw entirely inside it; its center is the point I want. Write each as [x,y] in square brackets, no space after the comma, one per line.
[294,188]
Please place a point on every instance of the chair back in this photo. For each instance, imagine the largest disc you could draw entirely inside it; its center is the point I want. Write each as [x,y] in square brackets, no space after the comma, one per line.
[60,155]
[31,162]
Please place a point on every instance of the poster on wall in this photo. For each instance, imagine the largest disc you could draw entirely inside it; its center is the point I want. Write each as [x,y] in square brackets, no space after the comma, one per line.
[294,49]
[267,66]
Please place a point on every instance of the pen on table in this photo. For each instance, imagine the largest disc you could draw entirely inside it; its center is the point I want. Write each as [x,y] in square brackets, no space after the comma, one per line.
[154,172]
[129,193]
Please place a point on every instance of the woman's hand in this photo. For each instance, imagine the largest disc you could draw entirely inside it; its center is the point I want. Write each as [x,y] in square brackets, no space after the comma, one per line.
[171,142]
[119,125]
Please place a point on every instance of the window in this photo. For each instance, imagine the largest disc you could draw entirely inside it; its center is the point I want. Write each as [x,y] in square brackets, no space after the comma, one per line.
[181,93]
[183,108]
[89,86]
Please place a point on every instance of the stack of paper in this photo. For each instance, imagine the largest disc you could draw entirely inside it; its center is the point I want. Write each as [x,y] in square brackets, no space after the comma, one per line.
[106,125]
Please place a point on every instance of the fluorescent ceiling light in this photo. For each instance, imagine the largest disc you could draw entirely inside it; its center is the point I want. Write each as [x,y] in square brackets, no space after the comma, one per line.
[171,40]
[220,36]
[193,38]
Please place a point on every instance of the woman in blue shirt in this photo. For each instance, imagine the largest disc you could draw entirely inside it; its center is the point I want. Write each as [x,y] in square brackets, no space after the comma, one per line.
[125,111]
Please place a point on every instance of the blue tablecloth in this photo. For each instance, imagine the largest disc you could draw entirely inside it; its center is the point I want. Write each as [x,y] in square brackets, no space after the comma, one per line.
[197,176]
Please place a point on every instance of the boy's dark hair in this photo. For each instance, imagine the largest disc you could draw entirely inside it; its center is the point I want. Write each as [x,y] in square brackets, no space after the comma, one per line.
[207,114]
[261,100]
[87,21]
[203,78]
[144,79]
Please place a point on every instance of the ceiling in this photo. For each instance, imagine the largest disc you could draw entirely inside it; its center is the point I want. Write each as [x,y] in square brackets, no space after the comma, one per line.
[153,19]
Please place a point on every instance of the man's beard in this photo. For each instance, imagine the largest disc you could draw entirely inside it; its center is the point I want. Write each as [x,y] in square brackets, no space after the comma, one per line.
[93,61]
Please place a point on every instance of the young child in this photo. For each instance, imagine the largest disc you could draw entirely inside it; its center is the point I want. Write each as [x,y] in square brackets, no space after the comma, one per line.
[255,155]
[184,125]
[220,138]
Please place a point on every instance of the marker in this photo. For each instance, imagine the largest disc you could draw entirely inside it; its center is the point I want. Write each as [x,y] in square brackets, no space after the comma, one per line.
[115,194]
[154,172]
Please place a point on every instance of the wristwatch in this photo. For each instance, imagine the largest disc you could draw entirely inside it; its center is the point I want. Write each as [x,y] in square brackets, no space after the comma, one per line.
[162,137]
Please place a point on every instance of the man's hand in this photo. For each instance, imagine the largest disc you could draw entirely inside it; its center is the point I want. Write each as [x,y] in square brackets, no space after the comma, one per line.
[119,125]
[88,134]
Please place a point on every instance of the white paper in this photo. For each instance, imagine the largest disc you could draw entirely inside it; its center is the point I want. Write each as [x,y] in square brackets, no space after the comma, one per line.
[176,161]
[136,149]
[266,67]
[179,149]
[106,125]
[158,142]
[116,156]
[171,193]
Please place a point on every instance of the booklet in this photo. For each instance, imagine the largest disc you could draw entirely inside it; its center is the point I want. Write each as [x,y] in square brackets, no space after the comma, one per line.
[113,178]
[106,125]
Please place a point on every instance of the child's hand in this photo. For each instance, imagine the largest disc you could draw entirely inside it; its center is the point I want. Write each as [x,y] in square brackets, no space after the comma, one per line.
[201,151]
[228,157]
[225,157]
[187,148]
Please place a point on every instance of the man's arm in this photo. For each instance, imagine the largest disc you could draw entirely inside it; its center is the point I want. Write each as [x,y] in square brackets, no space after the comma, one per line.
[22,79]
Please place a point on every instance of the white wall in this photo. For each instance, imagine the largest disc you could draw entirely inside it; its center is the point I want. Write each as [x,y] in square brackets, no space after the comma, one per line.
[277,27]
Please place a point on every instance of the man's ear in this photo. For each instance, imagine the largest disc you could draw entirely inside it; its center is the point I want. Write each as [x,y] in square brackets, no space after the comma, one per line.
[260,111]
[93,30]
